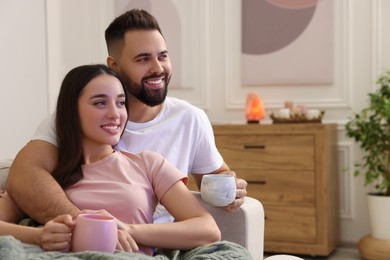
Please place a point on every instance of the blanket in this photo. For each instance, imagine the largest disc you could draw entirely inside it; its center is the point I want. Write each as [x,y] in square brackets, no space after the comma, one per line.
[11,248]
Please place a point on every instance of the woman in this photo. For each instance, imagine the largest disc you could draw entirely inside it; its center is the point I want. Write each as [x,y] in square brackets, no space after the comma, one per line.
[90,118]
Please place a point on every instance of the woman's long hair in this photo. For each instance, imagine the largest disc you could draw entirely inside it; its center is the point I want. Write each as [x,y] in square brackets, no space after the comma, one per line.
[68,125]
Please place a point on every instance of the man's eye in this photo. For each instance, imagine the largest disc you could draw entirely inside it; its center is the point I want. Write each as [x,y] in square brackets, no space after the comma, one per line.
[163,57]
[143,59]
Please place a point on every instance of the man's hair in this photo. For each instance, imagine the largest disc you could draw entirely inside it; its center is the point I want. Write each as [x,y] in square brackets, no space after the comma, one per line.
[135,19]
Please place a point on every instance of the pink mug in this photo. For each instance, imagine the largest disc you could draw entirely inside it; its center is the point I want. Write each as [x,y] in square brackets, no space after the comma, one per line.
[94,232]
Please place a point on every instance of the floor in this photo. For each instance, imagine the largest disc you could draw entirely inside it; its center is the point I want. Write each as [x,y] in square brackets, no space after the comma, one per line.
[341,253]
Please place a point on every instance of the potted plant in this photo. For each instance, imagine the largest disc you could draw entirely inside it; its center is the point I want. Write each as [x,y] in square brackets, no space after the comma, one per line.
[370,128]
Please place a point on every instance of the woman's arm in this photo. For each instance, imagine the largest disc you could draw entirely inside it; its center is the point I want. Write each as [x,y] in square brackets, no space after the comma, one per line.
[23,233]
[8,211]
[9,214]
[193,225]
[30,180]
[55,235]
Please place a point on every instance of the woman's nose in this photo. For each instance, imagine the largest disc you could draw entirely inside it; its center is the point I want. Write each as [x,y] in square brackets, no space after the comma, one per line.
[113,111]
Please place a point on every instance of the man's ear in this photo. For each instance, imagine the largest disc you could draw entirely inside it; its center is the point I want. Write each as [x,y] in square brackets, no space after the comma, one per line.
[112,64]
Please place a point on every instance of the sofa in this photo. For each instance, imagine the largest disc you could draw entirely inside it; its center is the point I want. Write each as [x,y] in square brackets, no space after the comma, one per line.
[244,227]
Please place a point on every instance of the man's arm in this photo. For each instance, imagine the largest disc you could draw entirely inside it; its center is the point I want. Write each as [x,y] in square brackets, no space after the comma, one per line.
[32,186]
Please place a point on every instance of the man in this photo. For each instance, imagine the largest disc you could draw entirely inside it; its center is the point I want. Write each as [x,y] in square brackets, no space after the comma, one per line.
[179,131]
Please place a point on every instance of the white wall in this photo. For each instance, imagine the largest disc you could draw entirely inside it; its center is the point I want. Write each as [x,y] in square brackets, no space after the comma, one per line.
[23,72]
[75,36]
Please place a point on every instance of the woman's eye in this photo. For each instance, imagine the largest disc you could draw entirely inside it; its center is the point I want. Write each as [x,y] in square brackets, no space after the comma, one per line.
[99,103]
[122,103]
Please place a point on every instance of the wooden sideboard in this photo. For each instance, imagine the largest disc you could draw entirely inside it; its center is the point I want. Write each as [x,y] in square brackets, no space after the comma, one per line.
[293,170]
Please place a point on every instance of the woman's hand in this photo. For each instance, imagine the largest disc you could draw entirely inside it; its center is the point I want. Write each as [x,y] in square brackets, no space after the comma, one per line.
[56,234]
[125,240]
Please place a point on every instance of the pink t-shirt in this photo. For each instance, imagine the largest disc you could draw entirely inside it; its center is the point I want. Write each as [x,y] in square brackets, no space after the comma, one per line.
[128,186]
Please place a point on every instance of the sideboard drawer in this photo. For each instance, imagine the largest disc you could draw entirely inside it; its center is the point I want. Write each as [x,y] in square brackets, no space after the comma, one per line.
[281,187]
[262,152]
[290,224]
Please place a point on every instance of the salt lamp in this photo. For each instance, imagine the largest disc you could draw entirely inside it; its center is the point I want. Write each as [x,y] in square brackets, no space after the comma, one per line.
[254,108]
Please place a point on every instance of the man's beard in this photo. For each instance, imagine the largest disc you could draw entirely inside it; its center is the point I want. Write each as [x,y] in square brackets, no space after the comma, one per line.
[148,96]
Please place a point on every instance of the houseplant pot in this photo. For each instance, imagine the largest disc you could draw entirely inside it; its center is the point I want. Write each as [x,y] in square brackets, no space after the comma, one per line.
[379,214]
[370,128]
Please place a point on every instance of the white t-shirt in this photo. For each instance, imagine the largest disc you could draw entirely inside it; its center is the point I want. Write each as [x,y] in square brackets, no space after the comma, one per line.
[181,133]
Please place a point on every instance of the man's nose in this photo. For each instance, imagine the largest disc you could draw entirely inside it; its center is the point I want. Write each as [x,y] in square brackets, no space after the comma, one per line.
[156,67]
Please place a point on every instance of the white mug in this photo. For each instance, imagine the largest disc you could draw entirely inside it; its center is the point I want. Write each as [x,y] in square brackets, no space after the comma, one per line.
[218,189]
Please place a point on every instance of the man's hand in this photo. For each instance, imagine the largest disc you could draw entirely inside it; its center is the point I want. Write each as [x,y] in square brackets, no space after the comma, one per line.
[241,192]
[241,185]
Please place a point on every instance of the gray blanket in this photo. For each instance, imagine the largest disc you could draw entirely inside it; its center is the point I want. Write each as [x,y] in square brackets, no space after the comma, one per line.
[10,248]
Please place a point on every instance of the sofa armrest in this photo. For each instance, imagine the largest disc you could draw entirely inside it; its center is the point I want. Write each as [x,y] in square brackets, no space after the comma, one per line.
[244,226]
[5,164]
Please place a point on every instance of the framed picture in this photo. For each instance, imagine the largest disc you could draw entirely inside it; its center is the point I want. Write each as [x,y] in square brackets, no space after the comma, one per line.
[288,42]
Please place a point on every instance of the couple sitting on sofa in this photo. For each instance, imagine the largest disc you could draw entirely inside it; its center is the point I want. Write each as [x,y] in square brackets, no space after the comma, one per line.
[90,117]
